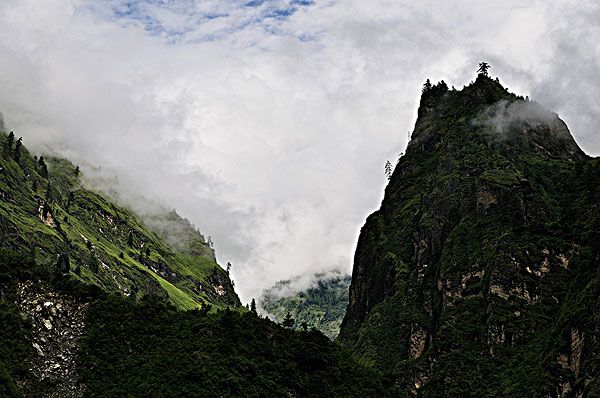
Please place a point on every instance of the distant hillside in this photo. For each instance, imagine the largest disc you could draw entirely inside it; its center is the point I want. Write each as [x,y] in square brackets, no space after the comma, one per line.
[322,305]
[47,211]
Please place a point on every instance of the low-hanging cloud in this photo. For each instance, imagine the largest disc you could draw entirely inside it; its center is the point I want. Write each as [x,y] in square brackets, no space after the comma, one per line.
[268,123]
[502,115]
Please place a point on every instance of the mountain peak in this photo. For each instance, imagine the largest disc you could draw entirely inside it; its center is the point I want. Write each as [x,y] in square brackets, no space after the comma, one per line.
[485,111]
[476,266]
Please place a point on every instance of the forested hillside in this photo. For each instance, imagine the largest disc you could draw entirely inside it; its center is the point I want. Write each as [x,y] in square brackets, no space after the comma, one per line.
[480,273]
[321,305]
[46,210]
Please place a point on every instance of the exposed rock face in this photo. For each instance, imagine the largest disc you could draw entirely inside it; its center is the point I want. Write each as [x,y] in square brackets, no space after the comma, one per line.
[479,274]
[57,323]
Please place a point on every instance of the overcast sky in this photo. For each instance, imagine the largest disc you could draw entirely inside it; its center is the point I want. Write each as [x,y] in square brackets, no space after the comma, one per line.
[268,123]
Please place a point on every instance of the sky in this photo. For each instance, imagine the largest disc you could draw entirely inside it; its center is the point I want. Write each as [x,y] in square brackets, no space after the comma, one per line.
[267,123]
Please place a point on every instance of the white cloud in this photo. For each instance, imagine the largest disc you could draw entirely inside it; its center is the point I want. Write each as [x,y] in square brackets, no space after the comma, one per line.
[269,126]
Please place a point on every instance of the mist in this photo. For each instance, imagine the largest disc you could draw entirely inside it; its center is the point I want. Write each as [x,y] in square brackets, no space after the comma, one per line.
[268,124]
[503,114]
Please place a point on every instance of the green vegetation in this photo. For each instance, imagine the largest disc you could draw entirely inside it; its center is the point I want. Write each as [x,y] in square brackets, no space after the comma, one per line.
[147,347]
[45,207]
[321,306]
[15,347]
[480,273]
[150,349]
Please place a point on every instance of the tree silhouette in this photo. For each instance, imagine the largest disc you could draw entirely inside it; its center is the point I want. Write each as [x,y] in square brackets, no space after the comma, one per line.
[228,267]
[9,142]
[62,263]
[427,85]
[48,195]
[304,326]
[43,167]
[18,145]
[288,321]
[253,306]
[70,199]
[388,169]
[483,68]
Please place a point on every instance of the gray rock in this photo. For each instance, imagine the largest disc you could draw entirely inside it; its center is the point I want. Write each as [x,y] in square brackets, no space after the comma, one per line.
[39,349]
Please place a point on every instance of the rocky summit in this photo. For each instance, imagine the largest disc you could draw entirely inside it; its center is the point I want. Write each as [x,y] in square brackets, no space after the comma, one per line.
[479,275]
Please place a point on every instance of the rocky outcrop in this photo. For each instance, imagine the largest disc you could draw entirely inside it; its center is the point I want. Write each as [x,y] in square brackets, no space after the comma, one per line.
[57,323]
[484,247]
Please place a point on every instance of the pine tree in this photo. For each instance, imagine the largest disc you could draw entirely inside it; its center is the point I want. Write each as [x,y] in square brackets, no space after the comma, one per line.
[483,68]
[77,170]
[48,195]
[288,321]
[427,85]
[9,142]
[253,306]
[388,169]
[70,199]
[43,167]
[228,267]
[45,211]
[18,145]
[304,326]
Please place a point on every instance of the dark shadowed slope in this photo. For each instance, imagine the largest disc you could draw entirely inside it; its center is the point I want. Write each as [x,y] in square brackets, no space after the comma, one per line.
[480,273]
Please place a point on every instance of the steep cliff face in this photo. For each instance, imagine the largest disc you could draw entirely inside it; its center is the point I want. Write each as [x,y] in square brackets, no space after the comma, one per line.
[479,275]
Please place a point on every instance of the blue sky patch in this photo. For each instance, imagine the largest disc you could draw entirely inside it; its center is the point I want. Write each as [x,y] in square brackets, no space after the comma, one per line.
[175,19]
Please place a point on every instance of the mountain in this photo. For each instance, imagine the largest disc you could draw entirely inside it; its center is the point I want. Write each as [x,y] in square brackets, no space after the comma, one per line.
[47,210]
[321,305]
[479,275]
[98,301]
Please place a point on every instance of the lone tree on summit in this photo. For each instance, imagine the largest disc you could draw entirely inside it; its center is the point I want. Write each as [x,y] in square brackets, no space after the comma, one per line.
[483,68]
[427,85]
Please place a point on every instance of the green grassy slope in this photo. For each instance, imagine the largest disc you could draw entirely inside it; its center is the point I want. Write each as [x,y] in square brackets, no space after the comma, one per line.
[46,210]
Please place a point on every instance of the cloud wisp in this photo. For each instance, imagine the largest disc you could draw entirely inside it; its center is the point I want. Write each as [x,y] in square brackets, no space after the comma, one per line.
[267,123]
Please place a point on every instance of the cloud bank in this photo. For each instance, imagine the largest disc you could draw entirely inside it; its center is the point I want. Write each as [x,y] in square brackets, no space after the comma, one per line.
[268,123]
